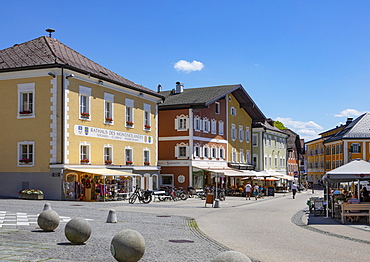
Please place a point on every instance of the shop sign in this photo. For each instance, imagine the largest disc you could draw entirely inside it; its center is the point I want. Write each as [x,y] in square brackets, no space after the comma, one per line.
[89,131]
[181,179]
[173,163]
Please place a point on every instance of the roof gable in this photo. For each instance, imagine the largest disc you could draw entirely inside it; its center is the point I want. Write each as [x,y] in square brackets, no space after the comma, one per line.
[49,52]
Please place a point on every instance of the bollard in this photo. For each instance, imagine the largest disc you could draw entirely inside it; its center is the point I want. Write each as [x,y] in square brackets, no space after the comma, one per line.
[127,246]
[48,220]
[77,230]
[47,206]
[112,217]
[217,203]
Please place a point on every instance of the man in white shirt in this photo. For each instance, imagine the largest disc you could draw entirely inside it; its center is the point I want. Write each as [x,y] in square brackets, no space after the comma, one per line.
[248,189]
[294,189]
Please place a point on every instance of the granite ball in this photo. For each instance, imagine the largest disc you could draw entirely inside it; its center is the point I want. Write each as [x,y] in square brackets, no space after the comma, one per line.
[231,256]
[77,230]
[48,220]
[128,245]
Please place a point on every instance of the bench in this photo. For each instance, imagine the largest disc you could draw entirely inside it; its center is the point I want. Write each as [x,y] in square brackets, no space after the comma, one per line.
[362,210]
[160,196]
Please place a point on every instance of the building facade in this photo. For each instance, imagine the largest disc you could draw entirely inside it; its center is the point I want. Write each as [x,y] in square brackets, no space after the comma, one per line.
[75,130]
[203,133]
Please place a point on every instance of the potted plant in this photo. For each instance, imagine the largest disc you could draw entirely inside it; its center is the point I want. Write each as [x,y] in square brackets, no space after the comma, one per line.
[128,163]
[31,194]
[85,115]
[129,123]
[108,162]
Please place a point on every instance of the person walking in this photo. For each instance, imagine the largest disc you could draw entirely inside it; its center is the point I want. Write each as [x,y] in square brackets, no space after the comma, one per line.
[256,190]
[248,189]
[294,189]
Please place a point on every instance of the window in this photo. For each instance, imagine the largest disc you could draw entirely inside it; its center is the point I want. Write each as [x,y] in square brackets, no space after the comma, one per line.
[146,157]
[108,155]
[255,161]
[233,155]
[248,157]
[222,153]
[355,148]
[213,126]
[108,108]
[181,151]
[181,123]
[147,111]
[207,125]
[333,150]
[84,153]
[197,123]
[85,94]
[328,150]
[217,107]
[255,140]
[233,132]
[214,152]
[26,96]
[269,141]
[233,111]
[247,135]
[128,156]
[221,128]
[129,103]
[241,133]
[197,151]
[206,151]
[241,158]
[25,153]
[167,180]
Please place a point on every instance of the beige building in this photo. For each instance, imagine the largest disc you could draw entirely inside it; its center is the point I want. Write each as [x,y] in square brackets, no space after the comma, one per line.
[72,128]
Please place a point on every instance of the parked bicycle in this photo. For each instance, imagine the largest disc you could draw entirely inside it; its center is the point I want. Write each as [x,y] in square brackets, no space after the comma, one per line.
[144,196]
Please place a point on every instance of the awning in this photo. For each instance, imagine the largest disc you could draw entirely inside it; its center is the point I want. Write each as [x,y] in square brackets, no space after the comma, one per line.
[280,175]
[227,171]
[101,171]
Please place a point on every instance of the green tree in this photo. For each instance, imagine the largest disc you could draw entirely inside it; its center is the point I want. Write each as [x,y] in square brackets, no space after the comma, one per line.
[279,125]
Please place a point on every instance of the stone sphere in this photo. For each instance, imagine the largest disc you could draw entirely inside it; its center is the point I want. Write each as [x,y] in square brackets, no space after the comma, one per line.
[47,206]
[48,220]
[231,256]
[77,230]
[128,246]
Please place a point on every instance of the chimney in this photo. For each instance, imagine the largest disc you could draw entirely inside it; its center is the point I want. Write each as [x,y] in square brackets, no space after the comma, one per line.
[349,120]
[179,88]
[159,88]
[270,121]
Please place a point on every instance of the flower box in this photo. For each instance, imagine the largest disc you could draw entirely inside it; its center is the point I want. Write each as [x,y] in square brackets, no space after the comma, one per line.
[128,163]
[85,115]
[129,123]
[33,194]
[147,126]
[84,161]
[25,161]
[108,162]
[146,163]
[25,112]
[108,119]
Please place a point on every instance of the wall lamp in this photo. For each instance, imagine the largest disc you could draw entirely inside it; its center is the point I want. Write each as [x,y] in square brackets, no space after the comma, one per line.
[71,75]
[101,82]
[51,74]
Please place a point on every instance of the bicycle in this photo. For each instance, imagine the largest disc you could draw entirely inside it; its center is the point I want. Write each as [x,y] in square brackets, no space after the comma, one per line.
[144,196]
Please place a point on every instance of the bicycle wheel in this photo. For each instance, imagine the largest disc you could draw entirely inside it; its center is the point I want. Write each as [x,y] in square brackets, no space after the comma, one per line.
[132,199]
[146,199]
[183,196]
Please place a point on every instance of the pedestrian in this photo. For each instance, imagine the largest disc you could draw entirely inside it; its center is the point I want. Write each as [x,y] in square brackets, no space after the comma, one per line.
[256,190]
[248,189]
[294,189]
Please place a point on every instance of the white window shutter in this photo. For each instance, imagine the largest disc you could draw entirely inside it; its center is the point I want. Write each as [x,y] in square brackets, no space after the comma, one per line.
[200,124]
[176,123]
[176,151]
[187,151]
[195,123]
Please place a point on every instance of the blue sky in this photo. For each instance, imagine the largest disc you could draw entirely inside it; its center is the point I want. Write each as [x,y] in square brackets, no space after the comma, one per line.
[305,63]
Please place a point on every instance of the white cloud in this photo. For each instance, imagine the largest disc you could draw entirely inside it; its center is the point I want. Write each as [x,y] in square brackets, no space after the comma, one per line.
[188,67]
[306,130]
[349,112]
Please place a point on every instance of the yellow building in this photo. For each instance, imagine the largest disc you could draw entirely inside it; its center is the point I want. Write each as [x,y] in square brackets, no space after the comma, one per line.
[72,128]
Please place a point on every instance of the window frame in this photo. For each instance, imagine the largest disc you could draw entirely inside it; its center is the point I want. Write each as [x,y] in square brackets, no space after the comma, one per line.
[29,159]
[84,98]
[217,108]
[28,89]
[85,156]
[129,155]
[108,154]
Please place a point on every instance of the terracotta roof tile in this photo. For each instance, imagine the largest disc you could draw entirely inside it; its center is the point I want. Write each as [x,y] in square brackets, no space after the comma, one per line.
[48,52]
